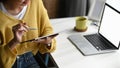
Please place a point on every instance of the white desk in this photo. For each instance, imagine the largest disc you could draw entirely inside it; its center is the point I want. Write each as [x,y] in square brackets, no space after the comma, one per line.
[66,54]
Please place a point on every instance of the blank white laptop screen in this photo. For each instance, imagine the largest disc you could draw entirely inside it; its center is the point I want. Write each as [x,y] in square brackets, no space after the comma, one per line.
[111,29]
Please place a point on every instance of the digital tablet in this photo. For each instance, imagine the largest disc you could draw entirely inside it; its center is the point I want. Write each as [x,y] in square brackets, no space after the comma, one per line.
[43,37]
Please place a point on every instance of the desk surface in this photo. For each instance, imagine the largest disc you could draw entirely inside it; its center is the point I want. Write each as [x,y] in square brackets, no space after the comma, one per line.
[67,55]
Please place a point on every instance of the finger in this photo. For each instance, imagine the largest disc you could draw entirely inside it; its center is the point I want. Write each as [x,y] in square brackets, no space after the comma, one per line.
[46,38]
[16,27]
[52,37]
[25,26]
[38,40]
[22,27]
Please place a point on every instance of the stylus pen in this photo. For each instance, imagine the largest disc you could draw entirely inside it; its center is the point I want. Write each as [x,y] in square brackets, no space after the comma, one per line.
[32,28]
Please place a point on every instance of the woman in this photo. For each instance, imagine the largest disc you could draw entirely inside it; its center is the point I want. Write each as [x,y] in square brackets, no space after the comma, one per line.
[17,18]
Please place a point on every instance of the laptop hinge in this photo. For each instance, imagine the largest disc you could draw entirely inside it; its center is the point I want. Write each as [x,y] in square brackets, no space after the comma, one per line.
[119,45]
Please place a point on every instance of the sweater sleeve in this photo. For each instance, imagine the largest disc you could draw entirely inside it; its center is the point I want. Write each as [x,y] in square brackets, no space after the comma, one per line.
[46,29]
[7,57]
[43,48]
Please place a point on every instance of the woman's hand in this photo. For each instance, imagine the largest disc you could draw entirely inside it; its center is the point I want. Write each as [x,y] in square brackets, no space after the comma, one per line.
[18,31]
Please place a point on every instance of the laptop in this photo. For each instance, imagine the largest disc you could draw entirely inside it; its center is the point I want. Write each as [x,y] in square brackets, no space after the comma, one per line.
[106,40]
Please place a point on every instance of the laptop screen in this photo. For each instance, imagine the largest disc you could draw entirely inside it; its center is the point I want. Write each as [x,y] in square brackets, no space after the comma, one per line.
[110,25]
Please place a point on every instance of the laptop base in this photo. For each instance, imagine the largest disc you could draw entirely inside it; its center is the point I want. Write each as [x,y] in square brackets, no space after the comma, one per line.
[85,47]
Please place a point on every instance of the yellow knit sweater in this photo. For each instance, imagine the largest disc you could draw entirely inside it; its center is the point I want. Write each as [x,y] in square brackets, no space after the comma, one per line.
[35,17]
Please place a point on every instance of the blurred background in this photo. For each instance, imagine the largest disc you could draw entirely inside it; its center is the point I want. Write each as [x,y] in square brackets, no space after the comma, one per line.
[71,8]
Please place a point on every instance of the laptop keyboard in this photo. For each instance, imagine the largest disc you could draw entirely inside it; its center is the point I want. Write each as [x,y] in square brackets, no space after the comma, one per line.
[97,41]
